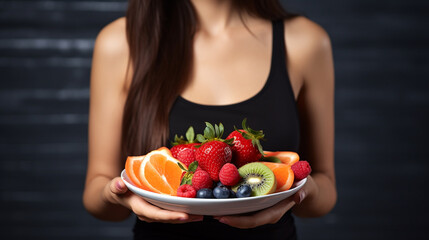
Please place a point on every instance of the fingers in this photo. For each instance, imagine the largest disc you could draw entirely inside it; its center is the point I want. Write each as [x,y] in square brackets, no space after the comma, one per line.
[117,186]
[299,196]
[114,191]
[117,192]
[150,213]
[268,216]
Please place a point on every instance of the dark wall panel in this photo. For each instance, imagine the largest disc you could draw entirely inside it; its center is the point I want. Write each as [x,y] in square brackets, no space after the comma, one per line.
[382,72]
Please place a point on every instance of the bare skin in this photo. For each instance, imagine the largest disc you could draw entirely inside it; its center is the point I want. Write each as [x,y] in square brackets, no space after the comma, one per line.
[226,54]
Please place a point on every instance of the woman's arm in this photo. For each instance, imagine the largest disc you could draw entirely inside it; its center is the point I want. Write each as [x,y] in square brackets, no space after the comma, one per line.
[316,109]
[311,71]
[107,99]
[105,195]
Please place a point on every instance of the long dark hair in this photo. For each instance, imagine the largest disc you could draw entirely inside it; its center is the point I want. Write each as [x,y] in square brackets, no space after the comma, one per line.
[160,37]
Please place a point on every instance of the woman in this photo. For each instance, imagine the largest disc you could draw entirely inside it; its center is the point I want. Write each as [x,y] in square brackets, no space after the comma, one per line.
[172,64]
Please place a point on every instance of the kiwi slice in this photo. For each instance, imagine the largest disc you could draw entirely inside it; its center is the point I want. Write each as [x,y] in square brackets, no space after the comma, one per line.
[259,177]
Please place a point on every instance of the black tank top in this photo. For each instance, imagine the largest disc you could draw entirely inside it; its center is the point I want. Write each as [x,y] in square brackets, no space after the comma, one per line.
[273,110]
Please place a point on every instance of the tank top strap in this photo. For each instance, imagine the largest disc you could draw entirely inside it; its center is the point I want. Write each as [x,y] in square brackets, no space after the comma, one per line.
[279,49]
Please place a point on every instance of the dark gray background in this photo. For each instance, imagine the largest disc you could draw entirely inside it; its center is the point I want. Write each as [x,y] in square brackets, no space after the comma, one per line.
[380,50]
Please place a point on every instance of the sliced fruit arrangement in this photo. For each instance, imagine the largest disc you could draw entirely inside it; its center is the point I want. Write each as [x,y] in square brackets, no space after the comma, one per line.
[158,172]
[284,175]
[258,177]
[132,168]
[208,166]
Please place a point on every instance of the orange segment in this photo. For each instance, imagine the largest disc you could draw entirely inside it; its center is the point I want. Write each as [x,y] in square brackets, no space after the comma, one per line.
[284,175]
[284,156]
[132,167]
[160,173]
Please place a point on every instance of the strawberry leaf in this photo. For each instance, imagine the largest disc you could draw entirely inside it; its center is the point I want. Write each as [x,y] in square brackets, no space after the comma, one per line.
[201,138]
[217,130]
[210,126]
[271,159]
[221,128]
[243,123]
[208,133]
[260,148]
[187,179]
[182,167]
[190,134]
[193,166]
[229,141]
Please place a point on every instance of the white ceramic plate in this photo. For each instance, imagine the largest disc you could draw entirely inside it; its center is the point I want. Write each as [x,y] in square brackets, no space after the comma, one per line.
[213,207]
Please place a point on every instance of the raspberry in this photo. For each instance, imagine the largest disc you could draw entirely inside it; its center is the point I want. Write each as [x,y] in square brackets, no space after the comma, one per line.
[301,170]
[229,175]
[201,179]
[186,191]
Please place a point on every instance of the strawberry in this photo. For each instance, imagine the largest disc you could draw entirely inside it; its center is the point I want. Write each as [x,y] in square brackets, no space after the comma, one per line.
[247,147]
[184,150]
[214,151]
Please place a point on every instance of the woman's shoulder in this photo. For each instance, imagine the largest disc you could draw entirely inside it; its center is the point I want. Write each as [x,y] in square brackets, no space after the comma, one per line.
[111,55]
[111,41]
[306,36]
[308,46]
[309,53]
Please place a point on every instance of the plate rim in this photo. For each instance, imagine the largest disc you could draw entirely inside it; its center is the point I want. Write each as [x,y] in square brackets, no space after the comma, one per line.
[183,200]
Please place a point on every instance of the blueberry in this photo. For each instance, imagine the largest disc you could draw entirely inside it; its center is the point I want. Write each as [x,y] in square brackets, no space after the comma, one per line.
[219,184]
[221,192]
[232,194]
[244,191]
[205,193]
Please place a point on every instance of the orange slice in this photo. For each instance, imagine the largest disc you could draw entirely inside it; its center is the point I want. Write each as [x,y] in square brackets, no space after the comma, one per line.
[132,168]
[284,175]
[160,173]
[283,156]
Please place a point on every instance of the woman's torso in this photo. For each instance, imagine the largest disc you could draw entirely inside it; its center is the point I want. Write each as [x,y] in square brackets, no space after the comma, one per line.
[271,107]
[267,100]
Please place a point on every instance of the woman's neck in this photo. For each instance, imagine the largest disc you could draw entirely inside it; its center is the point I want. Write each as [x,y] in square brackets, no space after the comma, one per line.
[215,16]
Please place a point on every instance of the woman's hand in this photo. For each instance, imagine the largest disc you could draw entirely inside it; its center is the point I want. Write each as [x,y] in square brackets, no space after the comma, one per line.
[116,192]
[272,214]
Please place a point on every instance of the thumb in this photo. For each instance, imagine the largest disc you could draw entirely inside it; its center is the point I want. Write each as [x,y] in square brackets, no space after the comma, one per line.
[299,196]
[117,186]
